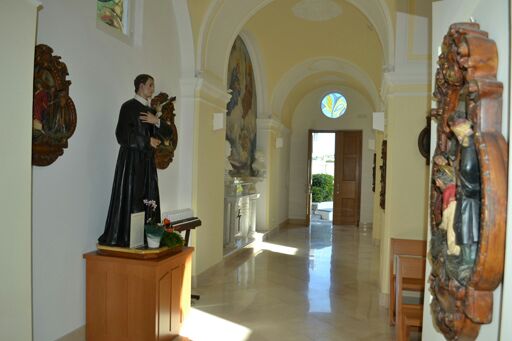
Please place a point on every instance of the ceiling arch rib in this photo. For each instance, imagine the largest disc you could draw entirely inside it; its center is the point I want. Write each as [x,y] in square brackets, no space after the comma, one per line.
[225,19]
[348,73]
[378,14]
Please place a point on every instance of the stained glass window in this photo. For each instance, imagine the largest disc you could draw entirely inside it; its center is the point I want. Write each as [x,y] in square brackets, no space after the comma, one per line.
[334,105]
[113,13]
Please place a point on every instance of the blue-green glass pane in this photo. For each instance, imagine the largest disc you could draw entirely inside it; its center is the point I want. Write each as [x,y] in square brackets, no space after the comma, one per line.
[334,105]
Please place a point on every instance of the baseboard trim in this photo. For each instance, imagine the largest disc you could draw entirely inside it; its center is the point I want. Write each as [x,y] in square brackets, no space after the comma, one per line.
[366,226]
[300,222]
[283,223]
[76,335]
[271,233]
[384,300]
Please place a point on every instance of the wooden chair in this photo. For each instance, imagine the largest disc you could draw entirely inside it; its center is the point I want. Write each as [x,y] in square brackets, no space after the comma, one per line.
[408,315]
[403,247]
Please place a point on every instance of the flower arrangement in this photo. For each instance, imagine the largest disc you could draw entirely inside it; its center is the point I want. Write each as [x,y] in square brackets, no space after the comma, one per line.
[160,234]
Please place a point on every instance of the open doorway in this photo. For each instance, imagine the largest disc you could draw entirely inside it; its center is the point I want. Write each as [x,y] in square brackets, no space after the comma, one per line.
[322,175]
[334,177]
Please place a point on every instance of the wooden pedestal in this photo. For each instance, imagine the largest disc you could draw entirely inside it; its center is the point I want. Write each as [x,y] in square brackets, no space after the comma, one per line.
[137,299]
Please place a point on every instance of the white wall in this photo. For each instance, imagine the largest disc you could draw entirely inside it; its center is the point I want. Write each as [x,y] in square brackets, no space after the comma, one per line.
[506,309]
[493,18]
[16,68]
[308,115]
[71,196]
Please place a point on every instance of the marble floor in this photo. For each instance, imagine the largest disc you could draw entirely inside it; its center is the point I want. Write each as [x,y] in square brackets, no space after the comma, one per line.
[316,283]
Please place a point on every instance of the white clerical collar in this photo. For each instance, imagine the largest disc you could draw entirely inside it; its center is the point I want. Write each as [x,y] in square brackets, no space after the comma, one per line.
[142,100]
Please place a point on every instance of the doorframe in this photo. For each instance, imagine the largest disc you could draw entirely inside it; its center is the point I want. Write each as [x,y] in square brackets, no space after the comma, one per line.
[310,176]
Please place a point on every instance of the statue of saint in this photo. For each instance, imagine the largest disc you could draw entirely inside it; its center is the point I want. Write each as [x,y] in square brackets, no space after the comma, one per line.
[139,132]
[467,212]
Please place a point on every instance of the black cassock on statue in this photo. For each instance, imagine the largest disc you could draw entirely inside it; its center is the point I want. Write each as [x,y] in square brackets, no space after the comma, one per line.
[135,177]
[467,212]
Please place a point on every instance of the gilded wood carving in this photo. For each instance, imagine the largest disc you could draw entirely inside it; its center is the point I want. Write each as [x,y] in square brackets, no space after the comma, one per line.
[469,184]
[54,114]
[165,152]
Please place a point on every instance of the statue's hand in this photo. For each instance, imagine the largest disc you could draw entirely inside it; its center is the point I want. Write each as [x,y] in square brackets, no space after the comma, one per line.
[154,142]
[148,117]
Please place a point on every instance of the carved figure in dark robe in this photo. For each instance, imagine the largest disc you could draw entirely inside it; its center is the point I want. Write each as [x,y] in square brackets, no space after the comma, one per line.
[467,212]
[139,132]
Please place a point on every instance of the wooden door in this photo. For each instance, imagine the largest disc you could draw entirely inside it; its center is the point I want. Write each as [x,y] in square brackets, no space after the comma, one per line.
[308,180]
[347,178]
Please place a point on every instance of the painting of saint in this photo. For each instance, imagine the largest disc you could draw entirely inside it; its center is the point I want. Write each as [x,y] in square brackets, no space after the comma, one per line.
[241,112]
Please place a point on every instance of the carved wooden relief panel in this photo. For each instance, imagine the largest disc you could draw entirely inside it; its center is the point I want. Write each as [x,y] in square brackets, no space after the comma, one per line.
[165,152]
[469,184]
[424,141]
[374,171]
[383,157]
[54,114]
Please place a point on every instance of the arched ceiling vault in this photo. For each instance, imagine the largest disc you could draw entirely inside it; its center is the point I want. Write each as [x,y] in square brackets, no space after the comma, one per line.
[315,73]
[328,82]
[353,46]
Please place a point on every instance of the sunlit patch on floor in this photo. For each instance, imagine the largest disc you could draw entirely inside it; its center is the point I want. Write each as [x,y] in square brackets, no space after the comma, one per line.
[201,326]
[286,250]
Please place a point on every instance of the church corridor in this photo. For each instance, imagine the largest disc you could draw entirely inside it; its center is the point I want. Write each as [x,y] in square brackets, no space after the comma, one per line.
[317,283]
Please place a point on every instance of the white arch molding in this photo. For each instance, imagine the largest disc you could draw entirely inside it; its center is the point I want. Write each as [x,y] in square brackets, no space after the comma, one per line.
[320,65]
[185,107]
[377,12]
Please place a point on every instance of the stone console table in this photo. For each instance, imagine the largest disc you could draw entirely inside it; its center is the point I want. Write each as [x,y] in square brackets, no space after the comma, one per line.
[240,199]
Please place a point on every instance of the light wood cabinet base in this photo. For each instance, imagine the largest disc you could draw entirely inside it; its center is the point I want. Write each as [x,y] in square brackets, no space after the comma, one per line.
[132,299]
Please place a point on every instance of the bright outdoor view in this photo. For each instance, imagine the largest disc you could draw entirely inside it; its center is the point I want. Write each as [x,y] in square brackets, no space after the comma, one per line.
[322,175]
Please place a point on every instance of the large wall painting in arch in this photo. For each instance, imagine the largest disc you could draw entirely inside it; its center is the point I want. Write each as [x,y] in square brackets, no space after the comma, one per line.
[241,112]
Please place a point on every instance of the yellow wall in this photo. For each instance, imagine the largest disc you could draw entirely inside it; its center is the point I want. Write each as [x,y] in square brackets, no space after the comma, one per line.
[378,212]
[405,214]
[16,67]
[208,188]
[405,192]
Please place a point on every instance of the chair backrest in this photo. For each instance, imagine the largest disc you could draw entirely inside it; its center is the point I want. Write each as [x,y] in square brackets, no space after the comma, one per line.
[408,267]
[408,247]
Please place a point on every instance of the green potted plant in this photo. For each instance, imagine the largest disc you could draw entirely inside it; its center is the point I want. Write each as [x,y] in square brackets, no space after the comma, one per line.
[160,234]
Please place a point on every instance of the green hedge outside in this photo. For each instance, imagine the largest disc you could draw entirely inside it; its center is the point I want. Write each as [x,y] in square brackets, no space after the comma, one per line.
[322,187]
